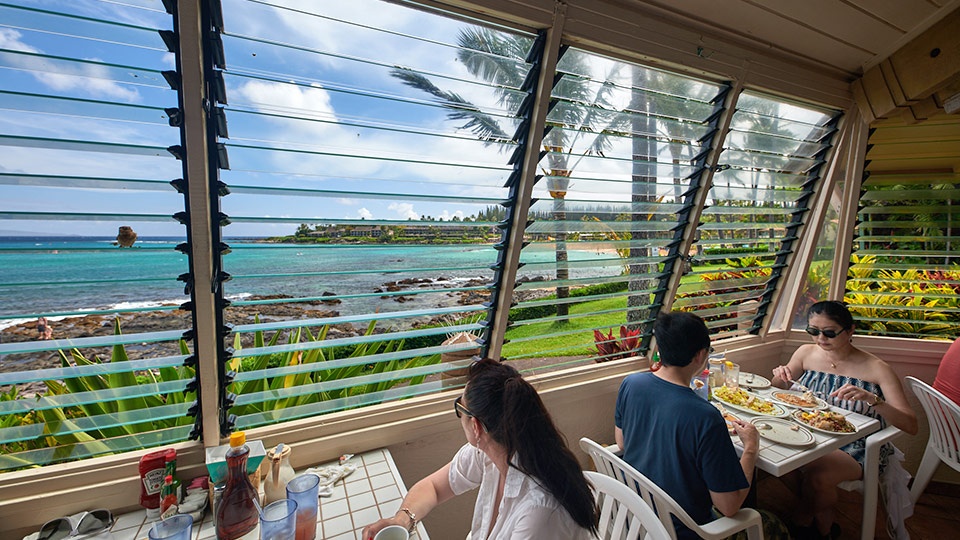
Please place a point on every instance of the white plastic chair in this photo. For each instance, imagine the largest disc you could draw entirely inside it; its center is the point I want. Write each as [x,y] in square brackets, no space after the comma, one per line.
[870,485]
[610,464]
[623,514]
[943,416]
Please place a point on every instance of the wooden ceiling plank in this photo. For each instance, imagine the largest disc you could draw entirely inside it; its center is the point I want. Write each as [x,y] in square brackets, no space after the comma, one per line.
[904,14]
[893,84]
[932,60]
[916,150]
[878,94]
[841,21]
[656,41]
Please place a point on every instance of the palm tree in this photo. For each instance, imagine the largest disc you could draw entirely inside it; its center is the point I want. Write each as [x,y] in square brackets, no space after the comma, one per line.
[495,57]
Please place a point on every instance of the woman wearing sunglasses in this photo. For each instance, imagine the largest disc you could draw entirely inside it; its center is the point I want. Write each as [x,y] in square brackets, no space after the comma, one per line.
[847,377]
[531,485]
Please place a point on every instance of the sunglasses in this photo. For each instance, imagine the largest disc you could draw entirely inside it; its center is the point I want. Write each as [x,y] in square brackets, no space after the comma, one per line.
[829,334]
[458,408]
[91,522]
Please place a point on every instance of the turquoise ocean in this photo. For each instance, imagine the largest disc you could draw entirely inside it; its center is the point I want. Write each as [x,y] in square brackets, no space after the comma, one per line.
[52,275]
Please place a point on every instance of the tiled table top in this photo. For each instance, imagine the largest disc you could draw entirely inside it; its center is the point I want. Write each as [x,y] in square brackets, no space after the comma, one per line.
[375,490]
[780,459]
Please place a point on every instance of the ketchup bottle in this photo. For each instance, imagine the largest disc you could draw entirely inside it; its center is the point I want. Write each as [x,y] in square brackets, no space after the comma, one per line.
[238,516]
[151,481]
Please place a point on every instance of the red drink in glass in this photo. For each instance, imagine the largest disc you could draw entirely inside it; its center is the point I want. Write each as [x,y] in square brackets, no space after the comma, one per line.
[307,524]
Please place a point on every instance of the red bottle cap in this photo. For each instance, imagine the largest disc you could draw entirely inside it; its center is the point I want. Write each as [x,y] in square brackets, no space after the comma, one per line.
[168,479]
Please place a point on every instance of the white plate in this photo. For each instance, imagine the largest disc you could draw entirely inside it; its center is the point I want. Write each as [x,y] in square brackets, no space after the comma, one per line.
[783,432]
[796,418]
[820,404]
[723,410]
[778,411]
[757,382]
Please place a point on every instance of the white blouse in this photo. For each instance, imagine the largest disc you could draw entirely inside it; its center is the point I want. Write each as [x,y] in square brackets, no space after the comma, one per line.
[527,510]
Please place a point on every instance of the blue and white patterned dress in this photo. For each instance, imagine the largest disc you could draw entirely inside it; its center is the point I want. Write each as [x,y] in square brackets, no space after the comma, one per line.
[819,381]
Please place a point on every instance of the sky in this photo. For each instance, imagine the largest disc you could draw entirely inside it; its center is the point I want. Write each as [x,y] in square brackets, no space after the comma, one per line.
[288,79]
[310,105]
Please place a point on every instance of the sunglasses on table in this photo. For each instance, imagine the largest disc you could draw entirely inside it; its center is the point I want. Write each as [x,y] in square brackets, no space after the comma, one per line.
[829,334]
[458,408]
[92,522]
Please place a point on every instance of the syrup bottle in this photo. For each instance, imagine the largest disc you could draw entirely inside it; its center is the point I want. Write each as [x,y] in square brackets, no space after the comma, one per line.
[238,516]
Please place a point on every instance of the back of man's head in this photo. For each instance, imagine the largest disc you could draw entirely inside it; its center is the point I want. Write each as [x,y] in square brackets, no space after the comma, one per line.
[680,336]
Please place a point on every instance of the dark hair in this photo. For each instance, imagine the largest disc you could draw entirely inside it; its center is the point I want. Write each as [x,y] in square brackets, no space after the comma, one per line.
[680,336]
[834,310]
[513,414]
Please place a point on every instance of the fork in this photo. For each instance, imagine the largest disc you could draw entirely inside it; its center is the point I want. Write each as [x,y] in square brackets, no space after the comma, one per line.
[804,389]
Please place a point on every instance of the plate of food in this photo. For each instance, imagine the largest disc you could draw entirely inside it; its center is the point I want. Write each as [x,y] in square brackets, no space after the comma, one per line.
[832,423]
[727,416]
[748,402]
[753,381]
[799,400]
[783,432]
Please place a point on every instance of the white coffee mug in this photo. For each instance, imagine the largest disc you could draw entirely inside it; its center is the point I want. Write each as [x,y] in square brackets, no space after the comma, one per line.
[392,532]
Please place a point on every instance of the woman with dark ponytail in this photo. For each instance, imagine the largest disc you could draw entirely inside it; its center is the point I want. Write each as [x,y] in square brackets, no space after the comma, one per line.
[531,485]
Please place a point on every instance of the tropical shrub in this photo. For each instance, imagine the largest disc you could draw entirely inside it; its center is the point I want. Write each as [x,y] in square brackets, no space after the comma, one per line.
[611,348]
[908,303]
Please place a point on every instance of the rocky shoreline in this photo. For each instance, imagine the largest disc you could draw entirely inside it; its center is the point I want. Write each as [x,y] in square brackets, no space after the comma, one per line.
[176,319]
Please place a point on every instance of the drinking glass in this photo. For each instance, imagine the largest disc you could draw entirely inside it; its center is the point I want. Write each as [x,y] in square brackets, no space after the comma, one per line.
[700,384]
[305,489]
[731,375]
[176,527]
[278,520]
[392,532]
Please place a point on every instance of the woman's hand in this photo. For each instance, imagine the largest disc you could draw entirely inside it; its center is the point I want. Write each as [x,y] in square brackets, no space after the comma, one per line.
[853,393]
[372,529]
[784,374]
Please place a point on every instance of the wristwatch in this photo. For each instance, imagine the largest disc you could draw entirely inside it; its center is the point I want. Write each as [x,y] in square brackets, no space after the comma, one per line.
[877,400]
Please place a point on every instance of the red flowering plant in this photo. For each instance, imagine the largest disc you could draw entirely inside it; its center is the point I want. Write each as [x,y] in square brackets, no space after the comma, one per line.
[611,348]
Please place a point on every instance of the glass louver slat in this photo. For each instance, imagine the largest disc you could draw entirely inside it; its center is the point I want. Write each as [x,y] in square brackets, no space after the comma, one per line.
[86,132]
[760,193]
[378,194]
[615,180]
[86,448]
[903,278]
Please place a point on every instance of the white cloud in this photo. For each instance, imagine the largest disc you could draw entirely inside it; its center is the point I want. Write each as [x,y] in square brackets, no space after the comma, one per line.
[10,39]
[447,216]
[363,213]
[87,79]
[404,210]
[312,102]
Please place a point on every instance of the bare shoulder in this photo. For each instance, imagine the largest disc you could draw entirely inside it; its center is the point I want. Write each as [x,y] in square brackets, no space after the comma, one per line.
[804,353]
[874,368]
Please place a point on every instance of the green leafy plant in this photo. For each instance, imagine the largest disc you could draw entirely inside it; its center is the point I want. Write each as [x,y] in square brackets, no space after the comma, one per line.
[337,379]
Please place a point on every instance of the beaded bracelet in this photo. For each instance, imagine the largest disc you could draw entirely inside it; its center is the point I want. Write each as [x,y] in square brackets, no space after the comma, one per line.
[413,518]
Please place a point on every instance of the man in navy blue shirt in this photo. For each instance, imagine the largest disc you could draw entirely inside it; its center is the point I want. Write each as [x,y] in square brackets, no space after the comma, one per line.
[676,438]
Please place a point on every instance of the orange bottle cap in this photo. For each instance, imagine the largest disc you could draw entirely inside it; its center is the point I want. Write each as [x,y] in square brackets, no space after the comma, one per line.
[237,438]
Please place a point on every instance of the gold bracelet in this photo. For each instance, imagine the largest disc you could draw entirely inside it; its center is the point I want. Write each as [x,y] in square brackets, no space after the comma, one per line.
[413,518]
[877,400]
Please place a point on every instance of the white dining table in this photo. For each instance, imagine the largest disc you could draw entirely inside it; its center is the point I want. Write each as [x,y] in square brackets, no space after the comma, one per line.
[779,459]
[373,491]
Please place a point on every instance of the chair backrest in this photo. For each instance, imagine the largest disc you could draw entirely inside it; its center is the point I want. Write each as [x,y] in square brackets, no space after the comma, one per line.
[623,514]
[663,504]
[943,416]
